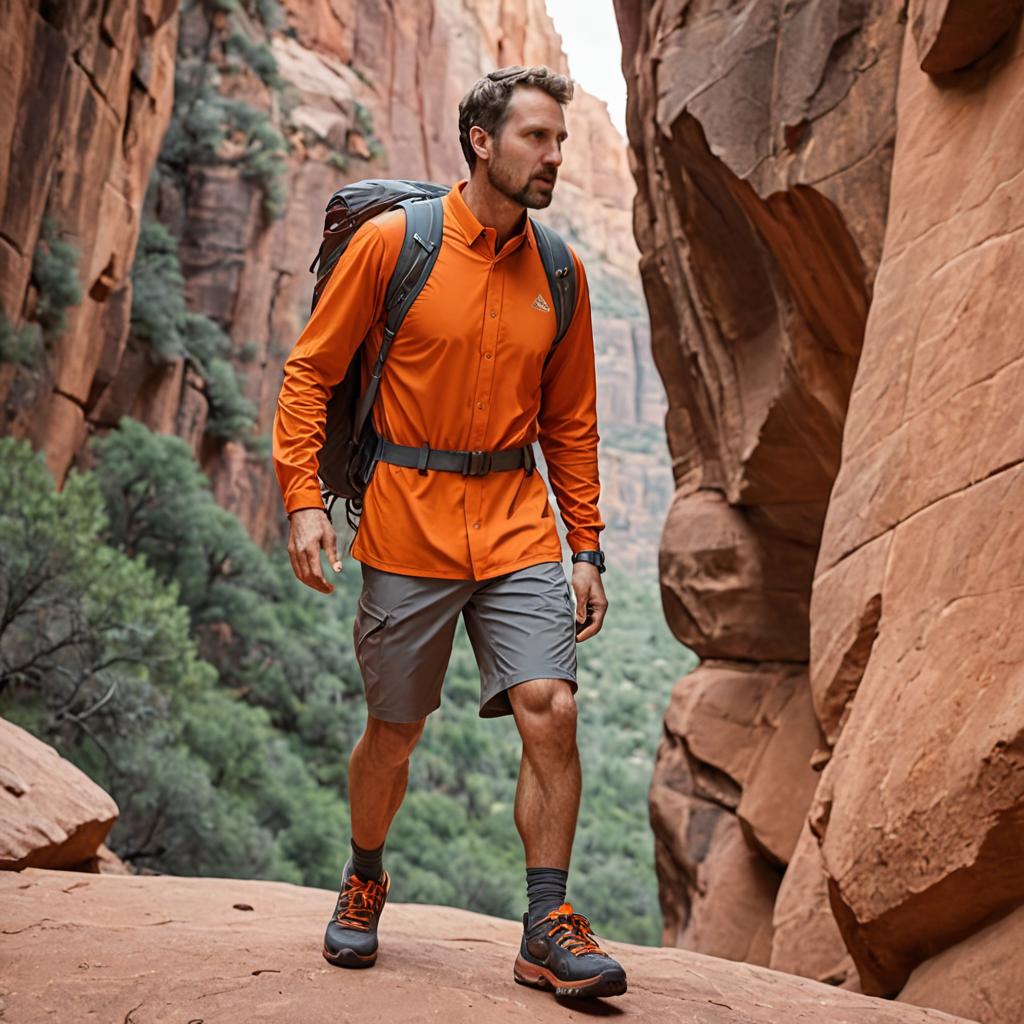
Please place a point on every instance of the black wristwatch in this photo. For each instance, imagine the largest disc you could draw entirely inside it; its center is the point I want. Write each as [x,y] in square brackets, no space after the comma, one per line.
[594,557]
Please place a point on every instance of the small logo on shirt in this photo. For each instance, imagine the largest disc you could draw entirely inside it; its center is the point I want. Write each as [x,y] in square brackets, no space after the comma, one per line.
[539,303]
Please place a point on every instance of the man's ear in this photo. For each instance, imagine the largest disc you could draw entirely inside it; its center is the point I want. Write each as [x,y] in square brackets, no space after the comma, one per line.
[480,141]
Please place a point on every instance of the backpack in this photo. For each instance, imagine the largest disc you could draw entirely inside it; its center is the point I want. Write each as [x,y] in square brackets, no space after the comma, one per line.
[348,454]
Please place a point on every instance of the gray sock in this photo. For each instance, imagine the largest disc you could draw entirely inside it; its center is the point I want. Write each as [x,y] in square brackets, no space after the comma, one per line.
[545,889]
[368,864]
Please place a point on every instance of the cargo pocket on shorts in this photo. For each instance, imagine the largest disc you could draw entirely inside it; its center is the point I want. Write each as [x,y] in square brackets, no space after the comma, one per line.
[368,635]
[370,618]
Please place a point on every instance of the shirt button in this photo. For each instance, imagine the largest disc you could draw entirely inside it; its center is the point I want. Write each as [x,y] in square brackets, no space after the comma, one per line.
[479,405]
[494,313]
[476,526]
[487,355]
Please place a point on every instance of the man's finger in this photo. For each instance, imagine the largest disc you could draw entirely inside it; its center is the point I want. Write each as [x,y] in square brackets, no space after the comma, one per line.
[314,576]
[597,613]
[293,558]
[331,547]
[582,591]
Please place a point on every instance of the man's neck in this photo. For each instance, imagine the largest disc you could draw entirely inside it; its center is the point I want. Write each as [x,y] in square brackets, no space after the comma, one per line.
[493,209]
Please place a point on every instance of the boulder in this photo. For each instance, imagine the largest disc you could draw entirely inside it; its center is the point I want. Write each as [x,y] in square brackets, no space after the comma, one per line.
[805,936]
[981,978]
[781,780]
[950,34]
[51,814]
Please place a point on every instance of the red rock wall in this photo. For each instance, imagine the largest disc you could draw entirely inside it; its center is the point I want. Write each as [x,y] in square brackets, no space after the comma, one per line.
[87,93]
[762,145]
[842,355]
[920,812]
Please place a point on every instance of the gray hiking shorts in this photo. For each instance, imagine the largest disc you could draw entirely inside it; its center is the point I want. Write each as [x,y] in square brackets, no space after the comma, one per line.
[521,626]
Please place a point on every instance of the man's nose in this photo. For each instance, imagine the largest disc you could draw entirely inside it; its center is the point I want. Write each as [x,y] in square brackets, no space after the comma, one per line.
[554,155]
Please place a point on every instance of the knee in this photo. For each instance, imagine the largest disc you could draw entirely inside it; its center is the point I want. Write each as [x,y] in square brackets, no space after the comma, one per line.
[391,743]
[550,713]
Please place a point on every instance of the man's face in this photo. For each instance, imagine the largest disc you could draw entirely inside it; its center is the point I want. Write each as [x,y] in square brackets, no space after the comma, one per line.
[527,151]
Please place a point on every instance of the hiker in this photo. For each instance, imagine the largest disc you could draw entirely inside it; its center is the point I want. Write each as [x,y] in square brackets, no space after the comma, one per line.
[454,518]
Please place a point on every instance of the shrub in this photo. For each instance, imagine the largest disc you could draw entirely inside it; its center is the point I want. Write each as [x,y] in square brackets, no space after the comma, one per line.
[158,291]
[21,345]
[257,56]
[231,414]
[55,275]
[159,317]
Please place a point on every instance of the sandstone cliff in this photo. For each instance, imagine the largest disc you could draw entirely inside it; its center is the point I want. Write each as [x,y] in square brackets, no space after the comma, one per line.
[87,96]
[762,146]
[275,108]
[844,422]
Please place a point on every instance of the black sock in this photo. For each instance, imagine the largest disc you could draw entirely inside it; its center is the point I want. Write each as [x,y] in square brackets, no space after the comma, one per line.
[368,864]
[545,889]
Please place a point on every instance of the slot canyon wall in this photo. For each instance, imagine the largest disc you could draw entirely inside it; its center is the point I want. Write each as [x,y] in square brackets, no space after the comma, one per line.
[829,212]
[314,93]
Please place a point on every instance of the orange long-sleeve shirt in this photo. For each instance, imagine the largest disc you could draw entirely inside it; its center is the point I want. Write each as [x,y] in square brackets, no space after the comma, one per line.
[466,371]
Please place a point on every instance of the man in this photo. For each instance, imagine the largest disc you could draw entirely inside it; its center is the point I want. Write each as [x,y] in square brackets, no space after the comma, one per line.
[469,372]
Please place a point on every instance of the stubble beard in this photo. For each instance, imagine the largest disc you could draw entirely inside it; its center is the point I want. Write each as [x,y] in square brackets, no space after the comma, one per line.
[501,178]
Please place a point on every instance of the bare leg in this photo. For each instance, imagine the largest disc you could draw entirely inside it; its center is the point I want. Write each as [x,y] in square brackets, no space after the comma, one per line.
[548,791]
[378,773]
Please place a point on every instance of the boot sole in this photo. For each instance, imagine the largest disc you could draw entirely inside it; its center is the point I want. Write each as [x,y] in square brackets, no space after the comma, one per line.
[349,958]
[608,983]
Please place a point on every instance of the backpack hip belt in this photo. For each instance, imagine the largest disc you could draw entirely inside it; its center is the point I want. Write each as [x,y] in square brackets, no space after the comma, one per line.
[468,463]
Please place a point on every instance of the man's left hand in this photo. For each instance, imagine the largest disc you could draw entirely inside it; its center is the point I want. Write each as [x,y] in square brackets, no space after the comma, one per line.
[591,602]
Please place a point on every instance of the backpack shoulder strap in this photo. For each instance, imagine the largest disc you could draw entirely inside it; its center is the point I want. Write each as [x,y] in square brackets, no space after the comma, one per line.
[424,227]
[561,273]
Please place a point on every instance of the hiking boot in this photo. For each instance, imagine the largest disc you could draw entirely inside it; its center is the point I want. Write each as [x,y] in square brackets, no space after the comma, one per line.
[351,936]
[560,953]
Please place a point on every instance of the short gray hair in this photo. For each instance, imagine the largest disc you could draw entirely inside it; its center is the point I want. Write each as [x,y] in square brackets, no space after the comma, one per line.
[486,104]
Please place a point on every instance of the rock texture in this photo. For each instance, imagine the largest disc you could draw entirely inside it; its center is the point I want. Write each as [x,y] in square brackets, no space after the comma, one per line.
[886,568]
[87,92]
[120,948]
[805,937]
[52,815]
[363,89]
[981,977]
[921,809]
[762,138]
[950,34]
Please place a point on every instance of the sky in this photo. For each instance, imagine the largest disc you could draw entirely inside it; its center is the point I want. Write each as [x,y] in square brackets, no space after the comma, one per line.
[590,38]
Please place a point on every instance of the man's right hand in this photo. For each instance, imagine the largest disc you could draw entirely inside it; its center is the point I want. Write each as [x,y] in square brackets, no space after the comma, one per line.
[311,532]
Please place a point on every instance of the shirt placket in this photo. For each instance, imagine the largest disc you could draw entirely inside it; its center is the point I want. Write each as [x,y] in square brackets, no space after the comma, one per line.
[479,535]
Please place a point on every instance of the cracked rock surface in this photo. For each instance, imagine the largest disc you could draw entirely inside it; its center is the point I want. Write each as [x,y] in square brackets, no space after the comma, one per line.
[158,948]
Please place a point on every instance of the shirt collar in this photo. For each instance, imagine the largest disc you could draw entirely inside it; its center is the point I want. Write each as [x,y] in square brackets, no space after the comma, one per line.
[467,220]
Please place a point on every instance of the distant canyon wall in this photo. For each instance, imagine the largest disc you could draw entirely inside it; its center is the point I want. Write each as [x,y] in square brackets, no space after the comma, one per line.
[313,94]
[829,212]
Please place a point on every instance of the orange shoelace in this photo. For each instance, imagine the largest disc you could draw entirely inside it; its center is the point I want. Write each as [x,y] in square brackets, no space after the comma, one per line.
[359,901]
[573,931]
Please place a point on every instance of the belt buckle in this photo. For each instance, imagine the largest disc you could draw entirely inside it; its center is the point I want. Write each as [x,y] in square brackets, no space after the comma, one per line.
[477,463]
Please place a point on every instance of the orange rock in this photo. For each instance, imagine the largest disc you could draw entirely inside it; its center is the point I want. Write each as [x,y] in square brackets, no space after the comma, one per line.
[981,977]
[950,34]
[116,946]
[920,807]
[805,937]
[781,782]
[51,813]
